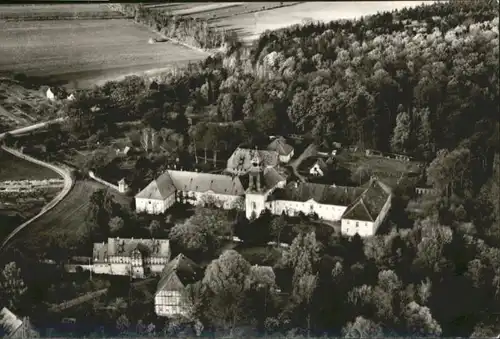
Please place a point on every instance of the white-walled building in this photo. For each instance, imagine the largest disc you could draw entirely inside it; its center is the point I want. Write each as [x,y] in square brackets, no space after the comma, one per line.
[189,187]
[267,190]
[135,257]
[319,168]
[50,95]
[176,275]
[284,150]
[366,214]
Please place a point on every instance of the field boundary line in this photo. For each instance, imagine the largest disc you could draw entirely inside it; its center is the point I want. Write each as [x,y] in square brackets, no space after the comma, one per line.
[68,185]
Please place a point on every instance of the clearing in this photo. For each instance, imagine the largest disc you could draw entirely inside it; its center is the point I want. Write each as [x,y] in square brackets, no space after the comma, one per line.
[13,168]
[66,221]
[20,106]
[81,53]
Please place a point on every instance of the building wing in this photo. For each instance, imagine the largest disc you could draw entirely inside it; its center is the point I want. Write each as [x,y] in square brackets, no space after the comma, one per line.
[178,273]
[158,189]
[204,182]
[280,146]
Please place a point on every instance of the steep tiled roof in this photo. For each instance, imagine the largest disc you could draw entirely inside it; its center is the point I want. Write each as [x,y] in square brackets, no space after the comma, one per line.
[322,164]
[279,145]
[9,323]
[203,182]
[369,204]
[323,194]
[240,160]
[178,273]
[124,246]
[159,189]
[171,180]
[269,178]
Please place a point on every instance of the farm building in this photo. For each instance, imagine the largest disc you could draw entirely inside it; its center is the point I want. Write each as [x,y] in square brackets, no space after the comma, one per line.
[284,150]
[191,187]
[135,257]
[179,273]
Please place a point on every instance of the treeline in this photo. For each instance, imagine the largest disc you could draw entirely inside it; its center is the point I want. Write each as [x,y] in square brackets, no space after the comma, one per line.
[60,16]
[191,31]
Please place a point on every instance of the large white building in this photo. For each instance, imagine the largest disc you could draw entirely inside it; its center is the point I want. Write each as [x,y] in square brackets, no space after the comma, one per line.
[358,210]
[134,257]
[189,187]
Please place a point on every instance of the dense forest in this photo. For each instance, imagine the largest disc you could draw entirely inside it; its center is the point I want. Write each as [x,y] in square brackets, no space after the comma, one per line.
[421,81]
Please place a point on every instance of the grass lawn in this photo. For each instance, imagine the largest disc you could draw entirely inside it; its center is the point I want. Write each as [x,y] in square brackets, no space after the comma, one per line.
[66,221]
[259,255]
[13,168]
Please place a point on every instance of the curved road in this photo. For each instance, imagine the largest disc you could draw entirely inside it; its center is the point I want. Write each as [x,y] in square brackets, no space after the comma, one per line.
[68,184]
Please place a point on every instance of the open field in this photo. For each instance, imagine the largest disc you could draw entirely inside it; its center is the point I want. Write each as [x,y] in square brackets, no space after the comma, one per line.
[250,25]
[65,221]
[80,53]
[13,168]
[56,11]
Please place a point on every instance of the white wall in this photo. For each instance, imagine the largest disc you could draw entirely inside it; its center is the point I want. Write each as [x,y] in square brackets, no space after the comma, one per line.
[286,158]
[316,170]
[153,206]
[254,202]
[170,297]
[364,229]
[325,212]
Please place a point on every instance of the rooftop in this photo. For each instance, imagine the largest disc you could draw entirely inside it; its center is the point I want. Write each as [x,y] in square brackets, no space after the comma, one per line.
[9,323]
[240,160]
[170,181]
[178,273]
[322,194]
[369,204]
[279,145]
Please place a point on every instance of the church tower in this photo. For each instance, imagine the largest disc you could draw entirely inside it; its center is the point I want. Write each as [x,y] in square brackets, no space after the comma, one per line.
[255,172]
[255,197]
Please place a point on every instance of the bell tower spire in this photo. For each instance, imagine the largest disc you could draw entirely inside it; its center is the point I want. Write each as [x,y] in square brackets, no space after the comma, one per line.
[255,171]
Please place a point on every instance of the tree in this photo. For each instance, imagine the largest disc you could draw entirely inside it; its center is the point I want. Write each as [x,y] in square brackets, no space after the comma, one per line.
[12,287]
[122,324]
[362,328]
[277,226]
[203,231]
[226,106]
[153,227]
[401,135]
[225,277]
[248,107]
[116,224]
[101,208]
[419,321]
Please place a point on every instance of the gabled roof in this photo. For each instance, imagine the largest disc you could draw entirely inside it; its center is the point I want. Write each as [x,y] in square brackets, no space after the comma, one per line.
[279,145]
[203,182]
[321,163]
[178,273]
[369,204]
[240,160]
[322,194]
[158,189]
[9,323]
[125,247]
[171,180]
